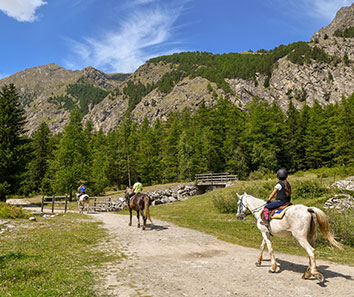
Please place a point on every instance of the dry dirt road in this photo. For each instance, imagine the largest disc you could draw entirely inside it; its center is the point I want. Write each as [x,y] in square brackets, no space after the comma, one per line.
[170,261]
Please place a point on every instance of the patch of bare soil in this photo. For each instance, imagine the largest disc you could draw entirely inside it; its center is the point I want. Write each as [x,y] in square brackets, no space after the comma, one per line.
[168,260]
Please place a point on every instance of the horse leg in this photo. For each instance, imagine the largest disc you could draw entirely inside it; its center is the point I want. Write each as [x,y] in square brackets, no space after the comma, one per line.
[270,250]
[130,216]
[260,258]
[312,268]
[144,218]
[138,216]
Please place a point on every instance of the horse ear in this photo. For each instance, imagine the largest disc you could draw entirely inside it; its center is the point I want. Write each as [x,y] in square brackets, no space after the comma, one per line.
[238,196]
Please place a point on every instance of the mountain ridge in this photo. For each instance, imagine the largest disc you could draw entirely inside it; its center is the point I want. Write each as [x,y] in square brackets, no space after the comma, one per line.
[304,72]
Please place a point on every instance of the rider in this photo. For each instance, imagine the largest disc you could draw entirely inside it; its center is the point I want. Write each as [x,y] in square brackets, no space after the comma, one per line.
[283,191]
[137,187]
[82,190]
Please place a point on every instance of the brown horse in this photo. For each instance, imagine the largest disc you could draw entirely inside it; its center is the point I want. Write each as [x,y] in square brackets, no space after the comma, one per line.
[140,202]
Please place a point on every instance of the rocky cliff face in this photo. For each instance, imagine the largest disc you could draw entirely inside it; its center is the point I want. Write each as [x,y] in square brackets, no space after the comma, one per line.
[38,85]
[46,95]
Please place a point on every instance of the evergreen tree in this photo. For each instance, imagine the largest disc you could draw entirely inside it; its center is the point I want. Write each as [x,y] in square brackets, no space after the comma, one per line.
[345,134]
[291,136]
[299,156]
[13,150]
[171,134]
[148,153]
[317,147]
[71,157]
[37,167]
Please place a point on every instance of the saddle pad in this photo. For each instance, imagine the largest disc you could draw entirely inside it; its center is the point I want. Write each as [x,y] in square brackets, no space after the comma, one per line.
[279,213]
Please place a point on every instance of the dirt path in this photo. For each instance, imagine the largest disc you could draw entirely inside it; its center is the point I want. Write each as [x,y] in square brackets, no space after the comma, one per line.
[173,261]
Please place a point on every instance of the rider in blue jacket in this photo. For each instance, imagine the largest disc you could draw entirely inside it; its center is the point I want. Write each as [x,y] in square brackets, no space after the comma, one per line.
[82,189]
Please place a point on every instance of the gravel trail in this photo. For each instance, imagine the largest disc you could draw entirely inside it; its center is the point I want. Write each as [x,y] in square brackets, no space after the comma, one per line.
[169,261]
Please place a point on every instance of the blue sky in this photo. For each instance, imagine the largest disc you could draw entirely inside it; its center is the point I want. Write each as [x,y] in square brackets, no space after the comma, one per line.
[120,35]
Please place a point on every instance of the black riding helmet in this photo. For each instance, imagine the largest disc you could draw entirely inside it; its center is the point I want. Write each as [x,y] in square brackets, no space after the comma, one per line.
[282,174]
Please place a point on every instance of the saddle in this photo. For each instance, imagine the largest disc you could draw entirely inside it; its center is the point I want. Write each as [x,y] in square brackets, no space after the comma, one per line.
[277,213]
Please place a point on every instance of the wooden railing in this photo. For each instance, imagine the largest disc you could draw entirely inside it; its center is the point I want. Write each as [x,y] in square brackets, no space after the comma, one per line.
[55,201]
[100,203]
[217,179]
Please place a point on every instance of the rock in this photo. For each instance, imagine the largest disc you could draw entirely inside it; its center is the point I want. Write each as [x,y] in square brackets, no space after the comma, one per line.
[32,219]
[345,184]
[3,222]
[340,202]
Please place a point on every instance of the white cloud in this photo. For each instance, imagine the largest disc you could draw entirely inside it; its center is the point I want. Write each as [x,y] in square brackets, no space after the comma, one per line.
[326,9]
[21,10]
[145,33]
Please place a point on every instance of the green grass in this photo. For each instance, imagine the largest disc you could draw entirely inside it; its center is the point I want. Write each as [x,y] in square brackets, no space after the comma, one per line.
[52,257]
[199,213]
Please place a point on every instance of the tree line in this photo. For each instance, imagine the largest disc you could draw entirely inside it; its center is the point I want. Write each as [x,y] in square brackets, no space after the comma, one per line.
[221,138]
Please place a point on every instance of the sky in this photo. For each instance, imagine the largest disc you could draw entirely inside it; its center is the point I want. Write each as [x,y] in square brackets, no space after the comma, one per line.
[121,35]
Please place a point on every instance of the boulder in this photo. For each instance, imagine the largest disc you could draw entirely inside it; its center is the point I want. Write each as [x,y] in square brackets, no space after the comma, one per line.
[345,184]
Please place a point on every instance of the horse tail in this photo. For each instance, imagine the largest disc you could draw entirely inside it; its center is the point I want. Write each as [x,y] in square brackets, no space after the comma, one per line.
[322,220]
[147,206]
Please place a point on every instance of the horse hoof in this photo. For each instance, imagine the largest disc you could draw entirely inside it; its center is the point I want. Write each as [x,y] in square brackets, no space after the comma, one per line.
[319,277]
[258,264]
[271,271]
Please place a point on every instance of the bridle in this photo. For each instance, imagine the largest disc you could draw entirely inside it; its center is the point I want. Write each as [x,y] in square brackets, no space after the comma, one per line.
[242,214]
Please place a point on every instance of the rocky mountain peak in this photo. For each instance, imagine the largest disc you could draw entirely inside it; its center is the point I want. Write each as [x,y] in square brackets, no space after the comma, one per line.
[344,19]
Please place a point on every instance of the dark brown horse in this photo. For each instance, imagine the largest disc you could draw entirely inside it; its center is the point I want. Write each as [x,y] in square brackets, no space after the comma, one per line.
[140,202]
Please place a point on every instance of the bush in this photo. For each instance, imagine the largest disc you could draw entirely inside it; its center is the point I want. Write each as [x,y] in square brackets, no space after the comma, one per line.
[341,225]
[261,174]
[226,204]
[308,189]
[340,171]
[11,211]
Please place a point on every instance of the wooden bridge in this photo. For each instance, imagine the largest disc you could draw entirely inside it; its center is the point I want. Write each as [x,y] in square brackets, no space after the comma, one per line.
[206,180]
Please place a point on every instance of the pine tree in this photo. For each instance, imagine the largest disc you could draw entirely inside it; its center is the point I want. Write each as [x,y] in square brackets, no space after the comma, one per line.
[317,147]
[345,134]
[170,138]
[13,150]
[71,157]
[291,136]
[37,167]
[98,178]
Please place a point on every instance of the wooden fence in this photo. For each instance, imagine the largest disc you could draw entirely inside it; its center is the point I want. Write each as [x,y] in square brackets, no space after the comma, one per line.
[55,201]
[100,203]
[214,179]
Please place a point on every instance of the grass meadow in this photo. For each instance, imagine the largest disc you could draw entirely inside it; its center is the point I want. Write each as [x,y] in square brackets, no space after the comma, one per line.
[53,256]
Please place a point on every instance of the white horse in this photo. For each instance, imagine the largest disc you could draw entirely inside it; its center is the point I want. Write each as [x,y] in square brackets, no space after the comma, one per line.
[299,221]
[83,200]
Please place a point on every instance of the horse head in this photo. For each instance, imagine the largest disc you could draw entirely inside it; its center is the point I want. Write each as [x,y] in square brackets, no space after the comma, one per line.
[127,192]
[242,208]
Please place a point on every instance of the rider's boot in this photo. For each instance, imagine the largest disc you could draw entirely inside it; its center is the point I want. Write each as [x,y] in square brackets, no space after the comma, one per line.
[265,222]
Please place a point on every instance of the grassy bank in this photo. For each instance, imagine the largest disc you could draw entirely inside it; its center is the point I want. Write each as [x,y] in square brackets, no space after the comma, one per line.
[200,213]
[52,257]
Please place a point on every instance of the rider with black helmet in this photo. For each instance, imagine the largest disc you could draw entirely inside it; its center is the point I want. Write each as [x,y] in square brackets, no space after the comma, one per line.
[283,191]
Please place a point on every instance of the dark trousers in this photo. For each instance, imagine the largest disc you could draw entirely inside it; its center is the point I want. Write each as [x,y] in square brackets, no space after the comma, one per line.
[275,204]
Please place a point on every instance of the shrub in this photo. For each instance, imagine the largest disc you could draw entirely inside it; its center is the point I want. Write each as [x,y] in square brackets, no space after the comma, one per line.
[308,189]
[226,204]
[11,211]
[341,226]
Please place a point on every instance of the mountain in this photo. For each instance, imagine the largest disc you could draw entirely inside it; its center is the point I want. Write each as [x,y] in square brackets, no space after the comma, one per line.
[302,72]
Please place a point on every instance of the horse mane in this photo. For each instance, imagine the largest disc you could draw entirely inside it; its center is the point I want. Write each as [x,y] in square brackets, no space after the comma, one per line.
[261,201]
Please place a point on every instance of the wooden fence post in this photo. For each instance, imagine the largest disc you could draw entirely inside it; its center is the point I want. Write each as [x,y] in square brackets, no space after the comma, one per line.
[42,204]
[66,203]
[53,197]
